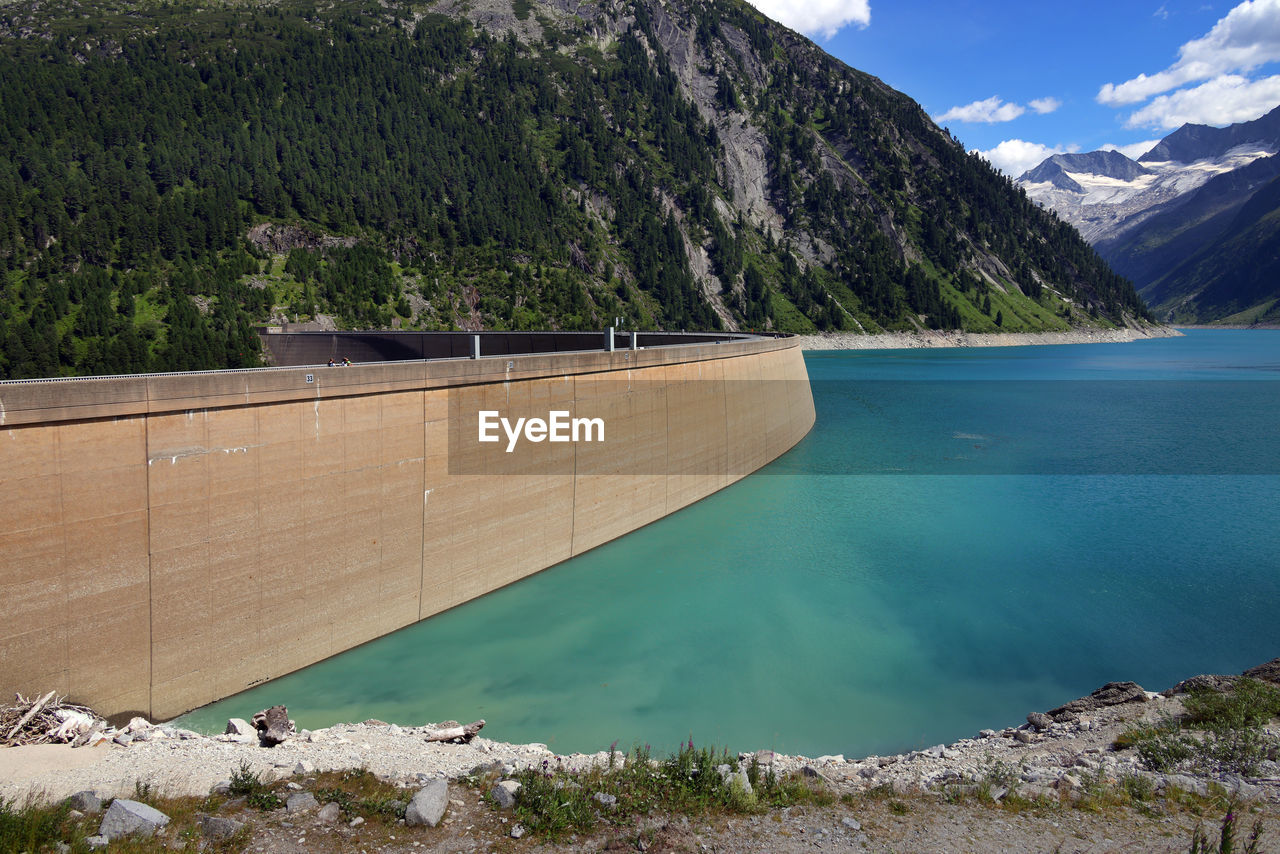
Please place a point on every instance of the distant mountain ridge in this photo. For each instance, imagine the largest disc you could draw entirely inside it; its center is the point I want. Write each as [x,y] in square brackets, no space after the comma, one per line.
[1191,142]
[1161,220]
[1109,164]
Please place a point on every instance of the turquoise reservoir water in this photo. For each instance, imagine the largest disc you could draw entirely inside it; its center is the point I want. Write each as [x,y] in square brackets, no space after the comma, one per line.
[965,536]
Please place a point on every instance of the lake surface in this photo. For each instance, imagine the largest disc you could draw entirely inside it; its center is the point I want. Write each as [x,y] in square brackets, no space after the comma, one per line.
[966,536]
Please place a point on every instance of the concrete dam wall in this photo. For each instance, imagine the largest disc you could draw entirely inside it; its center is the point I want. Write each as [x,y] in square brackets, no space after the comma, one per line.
[171,539]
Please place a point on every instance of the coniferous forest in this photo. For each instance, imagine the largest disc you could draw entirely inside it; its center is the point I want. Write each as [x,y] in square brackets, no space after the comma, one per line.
[173,175]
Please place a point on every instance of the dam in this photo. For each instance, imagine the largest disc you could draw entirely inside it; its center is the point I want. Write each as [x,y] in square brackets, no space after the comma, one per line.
[172,539]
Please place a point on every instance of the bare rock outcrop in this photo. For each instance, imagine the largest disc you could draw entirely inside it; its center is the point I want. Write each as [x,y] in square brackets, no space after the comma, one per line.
[1269,672]
[1111,694]
[279,239]
[1203,682]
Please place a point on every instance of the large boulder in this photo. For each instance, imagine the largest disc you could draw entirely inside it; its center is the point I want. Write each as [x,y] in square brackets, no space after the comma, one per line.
[428,805]
[239,726]
[220,827]
[131,818]
[301,802]
[504,793]
[1111,694]
[86,801]
[273,725]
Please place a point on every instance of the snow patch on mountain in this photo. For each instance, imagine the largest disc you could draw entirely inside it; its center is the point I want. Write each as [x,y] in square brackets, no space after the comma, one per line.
[1102,206]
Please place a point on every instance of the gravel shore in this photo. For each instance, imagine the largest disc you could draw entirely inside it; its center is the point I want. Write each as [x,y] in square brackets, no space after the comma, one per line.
[944,338]
[181,762]
[924,800]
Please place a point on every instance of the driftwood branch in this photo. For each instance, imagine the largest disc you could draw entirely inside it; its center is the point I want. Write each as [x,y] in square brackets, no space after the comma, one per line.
[44,720]
[31,713]
[457,734]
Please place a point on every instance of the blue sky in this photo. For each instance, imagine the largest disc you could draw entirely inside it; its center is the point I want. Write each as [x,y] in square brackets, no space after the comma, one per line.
[1019,81]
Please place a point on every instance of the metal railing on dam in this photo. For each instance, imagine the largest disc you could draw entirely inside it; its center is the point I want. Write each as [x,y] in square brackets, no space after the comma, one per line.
[171,539]
[316,348]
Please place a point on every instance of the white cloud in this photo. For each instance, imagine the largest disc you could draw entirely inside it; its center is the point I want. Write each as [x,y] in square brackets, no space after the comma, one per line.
[1015,156]
[817,17]
[1221,101]
[1133,150]
[1246,38]
[993,110]
[990,111]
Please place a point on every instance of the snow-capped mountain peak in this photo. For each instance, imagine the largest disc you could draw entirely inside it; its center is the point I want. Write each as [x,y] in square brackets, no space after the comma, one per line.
[1105,194]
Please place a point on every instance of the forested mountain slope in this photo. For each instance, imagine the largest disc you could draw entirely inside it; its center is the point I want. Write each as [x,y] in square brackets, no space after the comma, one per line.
[171,175]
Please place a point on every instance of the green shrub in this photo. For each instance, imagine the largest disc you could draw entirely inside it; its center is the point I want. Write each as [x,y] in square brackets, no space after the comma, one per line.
[1220,732]
[1166,751]
[997,775]
[549,806]
[1251,703]
[1136,734]
[1235,751]
[257,794]
[1137,788]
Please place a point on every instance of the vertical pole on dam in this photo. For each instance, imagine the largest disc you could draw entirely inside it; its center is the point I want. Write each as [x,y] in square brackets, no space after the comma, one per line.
[608,339]
[475,346]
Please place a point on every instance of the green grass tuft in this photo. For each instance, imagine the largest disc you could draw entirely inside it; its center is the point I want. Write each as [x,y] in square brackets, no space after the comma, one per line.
[31,826]
[359,792]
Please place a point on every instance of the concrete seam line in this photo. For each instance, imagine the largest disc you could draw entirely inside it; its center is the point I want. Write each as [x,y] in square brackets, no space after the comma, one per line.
[422,542]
